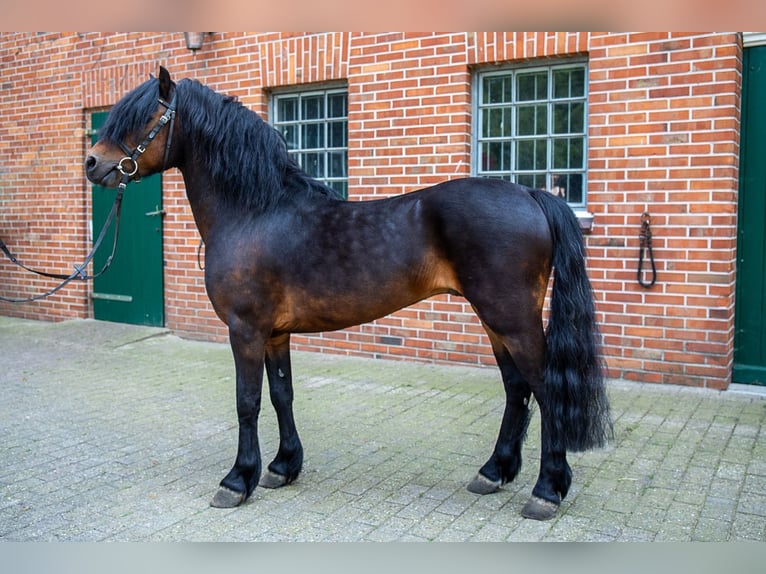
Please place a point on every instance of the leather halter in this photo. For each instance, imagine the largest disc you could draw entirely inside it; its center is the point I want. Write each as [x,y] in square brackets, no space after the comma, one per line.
[132,156]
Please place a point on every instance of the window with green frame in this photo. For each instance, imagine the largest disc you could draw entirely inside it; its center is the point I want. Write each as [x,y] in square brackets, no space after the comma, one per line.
[531,128]
[315,126]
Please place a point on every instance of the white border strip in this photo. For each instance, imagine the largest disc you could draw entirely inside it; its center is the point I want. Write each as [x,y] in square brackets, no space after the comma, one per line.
[751,39]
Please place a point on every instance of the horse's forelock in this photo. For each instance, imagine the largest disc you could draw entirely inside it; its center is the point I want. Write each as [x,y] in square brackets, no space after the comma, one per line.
[131,114]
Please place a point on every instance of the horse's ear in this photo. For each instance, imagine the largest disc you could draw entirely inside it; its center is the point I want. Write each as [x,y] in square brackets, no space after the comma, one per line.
[165,84]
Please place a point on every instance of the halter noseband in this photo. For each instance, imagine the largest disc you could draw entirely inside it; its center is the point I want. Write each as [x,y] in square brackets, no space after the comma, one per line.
[132,156]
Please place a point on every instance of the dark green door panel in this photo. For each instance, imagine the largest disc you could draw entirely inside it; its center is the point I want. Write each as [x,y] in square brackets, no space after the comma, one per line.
[750,335]
[131,291]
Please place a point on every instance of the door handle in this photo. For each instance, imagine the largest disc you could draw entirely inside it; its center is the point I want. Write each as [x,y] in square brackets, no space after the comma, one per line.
[158,211]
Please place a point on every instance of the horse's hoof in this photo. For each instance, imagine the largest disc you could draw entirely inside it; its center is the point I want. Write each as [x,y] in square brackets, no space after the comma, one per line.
[227,498]
[539,509]
[272,480]
[482,485]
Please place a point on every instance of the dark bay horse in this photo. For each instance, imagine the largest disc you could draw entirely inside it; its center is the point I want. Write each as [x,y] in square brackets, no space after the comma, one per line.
[285,255]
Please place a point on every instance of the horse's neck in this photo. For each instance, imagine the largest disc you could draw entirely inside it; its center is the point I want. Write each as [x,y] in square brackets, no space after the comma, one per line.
[206,204]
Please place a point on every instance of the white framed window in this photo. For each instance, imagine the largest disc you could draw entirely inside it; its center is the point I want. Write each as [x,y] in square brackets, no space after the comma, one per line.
[315,125]
[530,127]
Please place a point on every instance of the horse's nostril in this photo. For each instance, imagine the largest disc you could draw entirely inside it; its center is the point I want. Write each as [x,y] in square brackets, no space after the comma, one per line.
[90,162]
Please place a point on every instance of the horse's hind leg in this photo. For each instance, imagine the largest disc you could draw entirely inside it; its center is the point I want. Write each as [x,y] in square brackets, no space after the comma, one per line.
[555,475]
[289,459]
[521,356]
[505,462]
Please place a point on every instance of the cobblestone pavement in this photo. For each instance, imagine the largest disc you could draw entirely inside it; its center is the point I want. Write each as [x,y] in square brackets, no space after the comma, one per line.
[122,433]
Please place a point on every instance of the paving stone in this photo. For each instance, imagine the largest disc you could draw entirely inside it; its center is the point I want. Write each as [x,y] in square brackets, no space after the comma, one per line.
[711,530]
[122,433]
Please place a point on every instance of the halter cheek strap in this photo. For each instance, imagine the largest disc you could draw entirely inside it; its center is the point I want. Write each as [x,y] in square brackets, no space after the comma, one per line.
[131,157]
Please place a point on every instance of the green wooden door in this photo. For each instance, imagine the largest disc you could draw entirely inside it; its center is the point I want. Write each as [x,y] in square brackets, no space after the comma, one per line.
[131,291]
[750,335]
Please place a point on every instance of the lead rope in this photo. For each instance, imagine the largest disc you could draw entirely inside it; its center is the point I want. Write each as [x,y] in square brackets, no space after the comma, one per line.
[79,272]
[645,245]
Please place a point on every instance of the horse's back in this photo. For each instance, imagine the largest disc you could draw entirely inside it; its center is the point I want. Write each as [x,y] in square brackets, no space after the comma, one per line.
[479,217]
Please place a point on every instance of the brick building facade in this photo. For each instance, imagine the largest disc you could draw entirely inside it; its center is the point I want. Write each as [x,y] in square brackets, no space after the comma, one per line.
[661,135]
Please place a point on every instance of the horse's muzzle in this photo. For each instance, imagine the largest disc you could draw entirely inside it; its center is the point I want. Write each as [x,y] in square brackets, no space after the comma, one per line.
[101,172]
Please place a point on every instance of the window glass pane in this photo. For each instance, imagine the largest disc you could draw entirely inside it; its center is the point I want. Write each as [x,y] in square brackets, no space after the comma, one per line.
[532,86]
[577,153]
[532,154]
[496,156]
[487,163]
[568,118]
[489,121]
[341,187]
[313,164]
[541,154]
[526,179]
[506,156]
[337,106]
[525,155]
[561,153]
[536,180]
[541,125]
[568,153]
[287,110]
[532,120]
[577,83]
[561,83]
[312,136]
[561,119]
[497,89]
[577,117]
[312,107]
[569,83]
[568,186]
[497,122]
[337,164]
[525,117]
[336,134]
[290,134]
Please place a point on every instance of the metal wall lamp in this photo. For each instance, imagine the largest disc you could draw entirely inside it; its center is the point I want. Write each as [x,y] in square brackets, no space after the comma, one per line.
[194,40]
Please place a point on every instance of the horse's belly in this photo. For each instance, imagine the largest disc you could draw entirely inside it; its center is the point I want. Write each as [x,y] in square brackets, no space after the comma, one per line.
[347,308]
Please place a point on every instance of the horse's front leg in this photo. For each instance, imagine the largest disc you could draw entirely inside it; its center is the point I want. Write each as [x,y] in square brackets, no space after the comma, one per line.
[288,462]
[248,350]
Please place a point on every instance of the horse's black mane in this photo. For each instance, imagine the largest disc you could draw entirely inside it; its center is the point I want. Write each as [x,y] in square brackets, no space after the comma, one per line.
[246,157]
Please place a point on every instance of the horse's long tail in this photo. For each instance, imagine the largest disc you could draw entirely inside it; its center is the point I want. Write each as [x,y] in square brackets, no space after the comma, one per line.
[577,414]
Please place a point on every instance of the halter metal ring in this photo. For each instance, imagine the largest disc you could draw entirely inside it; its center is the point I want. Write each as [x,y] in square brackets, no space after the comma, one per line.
[130,172]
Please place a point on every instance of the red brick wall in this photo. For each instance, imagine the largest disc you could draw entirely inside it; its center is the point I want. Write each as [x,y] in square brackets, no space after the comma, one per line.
[663,137]
[41,192]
